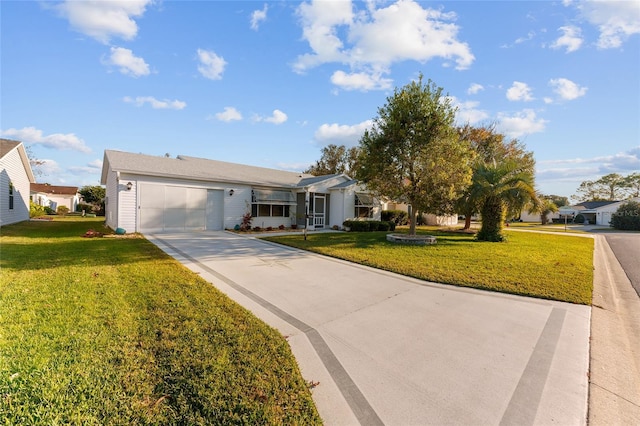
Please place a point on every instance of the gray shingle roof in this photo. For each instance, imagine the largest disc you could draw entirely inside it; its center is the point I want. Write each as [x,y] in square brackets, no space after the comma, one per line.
[185,167]
[7,145]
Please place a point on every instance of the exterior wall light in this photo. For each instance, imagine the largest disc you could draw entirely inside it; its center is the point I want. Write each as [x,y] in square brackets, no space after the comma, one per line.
[129,186]
[231,192]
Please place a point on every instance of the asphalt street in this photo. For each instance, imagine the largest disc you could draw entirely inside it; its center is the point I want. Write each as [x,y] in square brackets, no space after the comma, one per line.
[626,247]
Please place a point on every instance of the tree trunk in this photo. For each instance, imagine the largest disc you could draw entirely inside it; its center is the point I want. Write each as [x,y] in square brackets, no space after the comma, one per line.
[413,219]
[493,215]
[467,222]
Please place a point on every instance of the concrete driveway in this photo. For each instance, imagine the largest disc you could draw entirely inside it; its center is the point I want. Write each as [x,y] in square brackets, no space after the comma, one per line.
[387,349]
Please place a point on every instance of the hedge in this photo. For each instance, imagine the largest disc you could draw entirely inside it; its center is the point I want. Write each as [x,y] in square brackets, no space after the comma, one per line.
[369,225]
[399,217]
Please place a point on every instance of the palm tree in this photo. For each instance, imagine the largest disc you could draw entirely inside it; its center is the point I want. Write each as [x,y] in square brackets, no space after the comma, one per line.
[544,207]
[501,187]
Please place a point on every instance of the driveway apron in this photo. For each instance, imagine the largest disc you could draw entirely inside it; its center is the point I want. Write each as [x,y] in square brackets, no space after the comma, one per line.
[381,348]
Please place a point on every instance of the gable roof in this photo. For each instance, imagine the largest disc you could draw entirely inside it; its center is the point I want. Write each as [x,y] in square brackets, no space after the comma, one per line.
[185,167]
[45,188]
[590,205]
[8,145]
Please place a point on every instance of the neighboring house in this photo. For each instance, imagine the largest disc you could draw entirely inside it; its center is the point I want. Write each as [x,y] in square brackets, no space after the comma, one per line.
[16,177]
[596,212]
[525,216]
[147,193]
[427,218]
[53,196]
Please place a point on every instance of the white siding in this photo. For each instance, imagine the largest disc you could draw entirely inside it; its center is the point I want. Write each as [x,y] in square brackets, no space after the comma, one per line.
[111,201]
[12,170]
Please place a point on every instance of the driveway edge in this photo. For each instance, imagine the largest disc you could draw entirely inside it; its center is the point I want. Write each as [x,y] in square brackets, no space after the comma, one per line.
[614,379]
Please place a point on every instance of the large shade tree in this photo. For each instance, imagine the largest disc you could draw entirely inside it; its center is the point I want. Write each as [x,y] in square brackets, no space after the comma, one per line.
[334,160]
[413,153]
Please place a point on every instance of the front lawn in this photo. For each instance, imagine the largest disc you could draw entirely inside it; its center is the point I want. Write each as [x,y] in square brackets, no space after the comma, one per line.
[547,266]
[99,331]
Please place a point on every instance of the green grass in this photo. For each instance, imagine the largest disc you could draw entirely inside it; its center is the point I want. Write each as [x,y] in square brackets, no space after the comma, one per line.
[99,331]
[546,266]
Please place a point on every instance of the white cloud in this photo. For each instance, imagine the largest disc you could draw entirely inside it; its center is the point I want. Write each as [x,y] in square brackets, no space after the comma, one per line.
[475,88]
[49,167]
[57,141]
[128,63]
[229,114]
[341,134]
[523,123]
[155,103]
[616,20]
[92,167]
[360,81]
[103,20]
[571,39]
[277,117]
[468,111]
[567,89]
[258,16]
[211,65]
[519,92]
[371,40]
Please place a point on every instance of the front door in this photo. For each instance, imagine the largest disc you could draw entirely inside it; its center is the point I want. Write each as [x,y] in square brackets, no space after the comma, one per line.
[318,210]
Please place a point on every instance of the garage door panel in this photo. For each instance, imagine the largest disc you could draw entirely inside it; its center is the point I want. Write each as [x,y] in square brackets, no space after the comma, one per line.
[151,196]
[172,207]
[175,197]
[151,218]
[196,198]
[195,219]
[215,210]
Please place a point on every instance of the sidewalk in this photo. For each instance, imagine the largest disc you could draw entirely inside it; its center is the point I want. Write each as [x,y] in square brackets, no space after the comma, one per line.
[614,379]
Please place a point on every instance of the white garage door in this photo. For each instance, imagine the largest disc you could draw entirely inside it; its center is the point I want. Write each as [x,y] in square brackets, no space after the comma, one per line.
[172,208]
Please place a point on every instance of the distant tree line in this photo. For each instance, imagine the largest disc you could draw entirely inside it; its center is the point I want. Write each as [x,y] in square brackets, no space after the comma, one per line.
[611,187]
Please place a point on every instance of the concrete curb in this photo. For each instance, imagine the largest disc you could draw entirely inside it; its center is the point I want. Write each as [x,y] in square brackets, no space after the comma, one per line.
[614,380]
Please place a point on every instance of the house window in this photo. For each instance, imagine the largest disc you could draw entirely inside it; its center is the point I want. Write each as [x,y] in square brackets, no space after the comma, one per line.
[271,203]
[363,206]
[10,195]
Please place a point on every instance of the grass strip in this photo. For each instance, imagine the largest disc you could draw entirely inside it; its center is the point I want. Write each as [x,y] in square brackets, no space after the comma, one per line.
[100,331]
[548,266]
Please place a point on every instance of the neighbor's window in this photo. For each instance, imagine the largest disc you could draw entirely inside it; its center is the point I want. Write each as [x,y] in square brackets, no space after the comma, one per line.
[266,202]
[363,205]
[10,195]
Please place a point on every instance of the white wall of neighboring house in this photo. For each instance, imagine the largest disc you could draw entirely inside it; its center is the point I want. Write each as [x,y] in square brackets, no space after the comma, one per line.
[604,213]
[535,217]
[13,170]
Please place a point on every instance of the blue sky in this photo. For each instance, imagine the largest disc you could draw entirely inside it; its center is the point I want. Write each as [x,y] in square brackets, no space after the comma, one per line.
[271,83]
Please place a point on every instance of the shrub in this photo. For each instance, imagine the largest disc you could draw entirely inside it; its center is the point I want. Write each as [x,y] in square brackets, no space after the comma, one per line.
[357,225]
[627,217]
[257,228]
[579,218]
[49,210]
[246,222]
[281,227]
[398,217]
[36,210]
[62,210]
[368,225]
